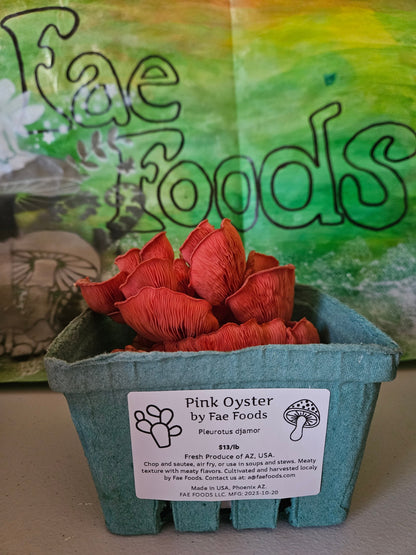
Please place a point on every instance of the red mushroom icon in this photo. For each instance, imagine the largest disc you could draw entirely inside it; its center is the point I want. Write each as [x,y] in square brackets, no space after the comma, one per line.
[302,414]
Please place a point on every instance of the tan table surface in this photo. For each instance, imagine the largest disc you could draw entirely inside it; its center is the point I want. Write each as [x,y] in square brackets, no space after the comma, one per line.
[49,504]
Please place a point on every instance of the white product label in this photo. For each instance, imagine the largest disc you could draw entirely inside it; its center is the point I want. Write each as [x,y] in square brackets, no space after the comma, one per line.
[227,444]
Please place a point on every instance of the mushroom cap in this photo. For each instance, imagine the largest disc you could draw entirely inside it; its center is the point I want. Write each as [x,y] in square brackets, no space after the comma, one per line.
[59,243]
[42,176]
[72,255]
[303,407]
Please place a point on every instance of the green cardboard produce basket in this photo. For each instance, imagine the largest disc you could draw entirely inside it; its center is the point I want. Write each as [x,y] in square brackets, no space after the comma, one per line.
[351,362]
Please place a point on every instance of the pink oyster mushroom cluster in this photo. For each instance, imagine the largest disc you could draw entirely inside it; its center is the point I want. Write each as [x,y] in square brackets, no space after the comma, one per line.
[210,298]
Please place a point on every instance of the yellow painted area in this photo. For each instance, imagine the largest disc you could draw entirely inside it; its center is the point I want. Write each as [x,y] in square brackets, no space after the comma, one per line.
[275,34]
[343,27]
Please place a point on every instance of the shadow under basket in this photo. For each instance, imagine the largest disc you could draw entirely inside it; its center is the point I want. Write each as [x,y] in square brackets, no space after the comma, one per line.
[351,362]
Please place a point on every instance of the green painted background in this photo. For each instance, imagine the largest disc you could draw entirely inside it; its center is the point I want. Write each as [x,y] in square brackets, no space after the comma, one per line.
[323,91]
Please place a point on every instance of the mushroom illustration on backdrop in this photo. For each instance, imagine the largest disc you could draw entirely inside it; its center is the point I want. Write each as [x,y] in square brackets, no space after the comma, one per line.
[36,287]
[301,414]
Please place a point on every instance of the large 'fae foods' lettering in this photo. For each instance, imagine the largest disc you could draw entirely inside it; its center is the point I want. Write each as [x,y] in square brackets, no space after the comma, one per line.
[293,186]
[97,96]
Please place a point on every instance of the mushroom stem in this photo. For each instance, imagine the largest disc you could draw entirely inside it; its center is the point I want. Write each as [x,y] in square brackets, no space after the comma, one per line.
[297,433]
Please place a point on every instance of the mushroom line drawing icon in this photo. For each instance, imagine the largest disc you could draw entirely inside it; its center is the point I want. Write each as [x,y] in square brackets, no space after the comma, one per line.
[301,414]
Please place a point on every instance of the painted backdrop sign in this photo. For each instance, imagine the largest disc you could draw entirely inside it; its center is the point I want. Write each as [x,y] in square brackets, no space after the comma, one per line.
[118,121]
